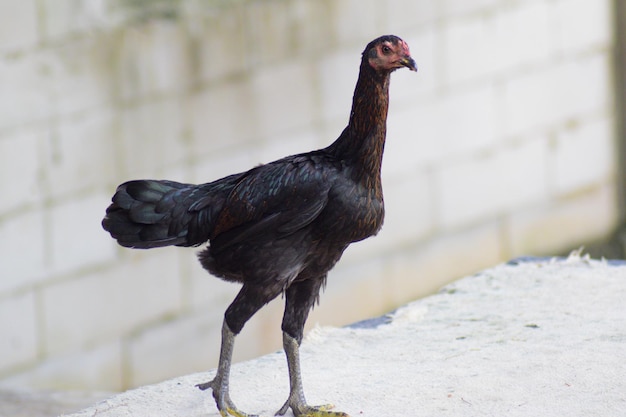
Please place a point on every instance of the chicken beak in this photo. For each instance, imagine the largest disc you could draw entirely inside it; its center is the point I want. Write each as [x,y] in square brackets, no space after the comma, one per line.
[408,62]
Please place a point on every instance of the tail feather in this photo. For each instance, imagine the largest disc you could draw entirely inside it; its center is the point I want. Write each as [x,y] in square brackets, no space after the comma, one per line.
[150,213]
[151,191]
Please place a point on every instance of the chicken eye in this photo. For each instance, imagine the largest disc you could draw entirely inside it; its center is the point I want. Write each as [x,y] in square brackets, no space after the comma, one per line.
[386,49]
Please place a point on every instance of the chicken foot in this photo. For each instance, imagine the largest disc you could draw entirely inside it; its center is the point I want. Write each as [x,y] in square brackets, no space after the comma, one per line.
[296,400]
[219,384]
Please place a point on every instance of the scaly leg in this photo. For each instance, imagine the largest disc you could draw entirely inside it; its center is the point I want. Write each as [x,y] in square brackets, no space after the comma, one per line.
[296,400]
[219,384]
[300,298]
[249,300]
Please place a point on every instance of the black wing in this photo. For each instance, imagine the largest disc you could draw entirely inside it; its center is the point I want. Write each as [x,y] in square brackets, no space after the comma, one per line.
[273,201]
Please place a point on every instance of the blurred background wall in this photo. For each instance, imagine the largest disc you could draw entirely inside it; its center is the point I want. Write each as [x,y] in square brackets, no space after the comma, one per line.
[503,144]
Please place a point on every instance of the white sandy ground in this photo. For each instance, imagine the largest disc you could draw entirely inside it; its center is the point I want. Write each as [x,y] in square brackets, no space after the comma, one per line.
[545,338]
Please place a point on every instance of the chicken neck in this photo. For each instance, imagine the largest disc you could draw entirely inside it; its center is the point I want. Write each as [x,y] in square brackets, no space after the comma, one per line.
[362,142]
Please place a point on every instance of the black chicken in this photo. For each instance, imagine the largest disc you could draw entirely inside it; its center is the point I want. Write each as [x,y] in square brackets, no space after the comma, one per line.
[277,228]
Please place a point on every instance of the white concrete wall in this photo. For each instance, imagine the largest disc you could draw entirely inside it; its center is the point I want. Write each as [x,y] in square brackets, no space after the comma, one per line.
[501,145]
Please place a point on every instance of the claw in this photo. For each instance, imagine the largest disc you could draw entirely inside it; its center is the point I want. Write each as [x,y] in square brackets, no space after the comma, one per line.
[322,411]
[205,385]
[236,413]
[303,410]
[222,399]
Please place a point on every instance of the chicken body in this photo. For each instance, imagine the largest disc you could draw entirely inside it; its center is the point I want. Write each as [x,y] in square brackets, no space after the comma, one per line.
[279,227]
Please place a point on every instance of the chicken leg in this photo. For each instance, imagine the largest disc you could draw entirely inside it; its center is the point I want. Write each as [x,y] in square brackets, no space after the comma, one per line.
[299,299]
[219,384]
[246,303]
[296,400]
